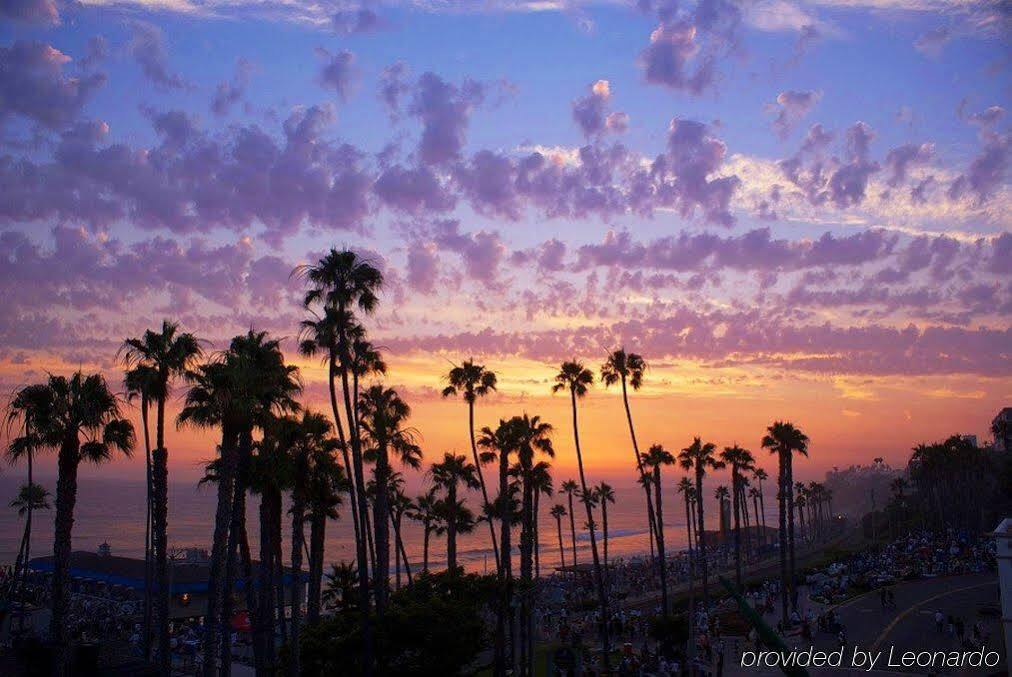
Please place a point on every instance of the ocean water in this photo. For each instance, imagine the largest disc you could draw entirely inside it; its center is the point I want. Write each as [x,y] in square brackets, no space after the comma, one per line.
[112,511]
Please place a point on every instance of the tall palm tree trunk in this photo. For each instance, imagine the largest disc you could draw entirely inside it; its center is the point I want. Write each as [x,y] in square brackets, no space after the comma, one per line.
[238,549]
[537,543]
[399,545]
[572,531]
[147,610]
[381,574]
[265,586]
[216,576]
[159,529]
[397,556]
[562,549]
[651,517]
[279,566]
[427,530]
[363,507]
[526,564]
[701,535]
[688,522]
[662,560]
[759,527]
[789,485]
[604,527]
[782,504]
[505,646]
[22,580]
[602,596]
[735,495]
[743,502]
[345,452]
[689,519]
[317,528]
[298,541]
[66,498]
[481,481]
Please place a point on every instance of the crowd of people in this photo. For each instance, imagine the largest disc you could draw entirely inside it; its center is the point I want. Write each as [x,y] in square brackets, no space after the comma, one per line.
[566,617]
[96,610]
[919,554]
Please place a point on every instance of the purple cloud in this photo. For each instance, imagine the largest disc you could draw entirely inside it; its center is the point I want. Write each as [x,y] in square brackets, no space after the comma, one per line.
[30,11]
[730,338]
[693,155]
[392,87]
[482,252]
[414,191]
[355,21]
[849,182]
[337,72]
[227,94]
[671,55]
[793,106]
[192,182]
[423,266]
[754,250]
[148,48]
[592,115]
[900,159]
[444,110]
[987,171]
[33,85]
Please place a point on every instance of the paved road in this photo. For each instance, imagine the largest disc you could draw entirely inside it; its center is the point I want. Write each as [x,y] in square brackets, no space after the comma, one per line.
[908,627]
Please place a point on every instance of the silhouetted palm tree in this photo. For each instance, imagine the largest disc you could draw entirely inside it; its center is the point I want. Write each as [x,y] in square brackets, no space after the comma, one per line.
[558,512]
[784,440]
[628,369]
[383,420]
[532,436]
[754,493]
[30,497]
[471,381]
[241,389]
[687,489]
[326,484]
[741,461]
[700,457]
[577,379]
[319,336]
[653,460]
[541,480]
[28,412]
[453,472]
[800,503]
[142,383]
[169,354]
[342,282]
[571,488]
[604,494]
[84,422]
[499,445]
[312,445]
[340,593]
[425,511]
[400,505]
[761,476]
[271,473]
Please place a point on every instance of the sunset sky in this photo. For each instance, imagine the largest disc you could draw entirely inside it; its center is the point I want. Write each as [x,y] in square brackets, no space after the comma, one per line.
[794,210]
